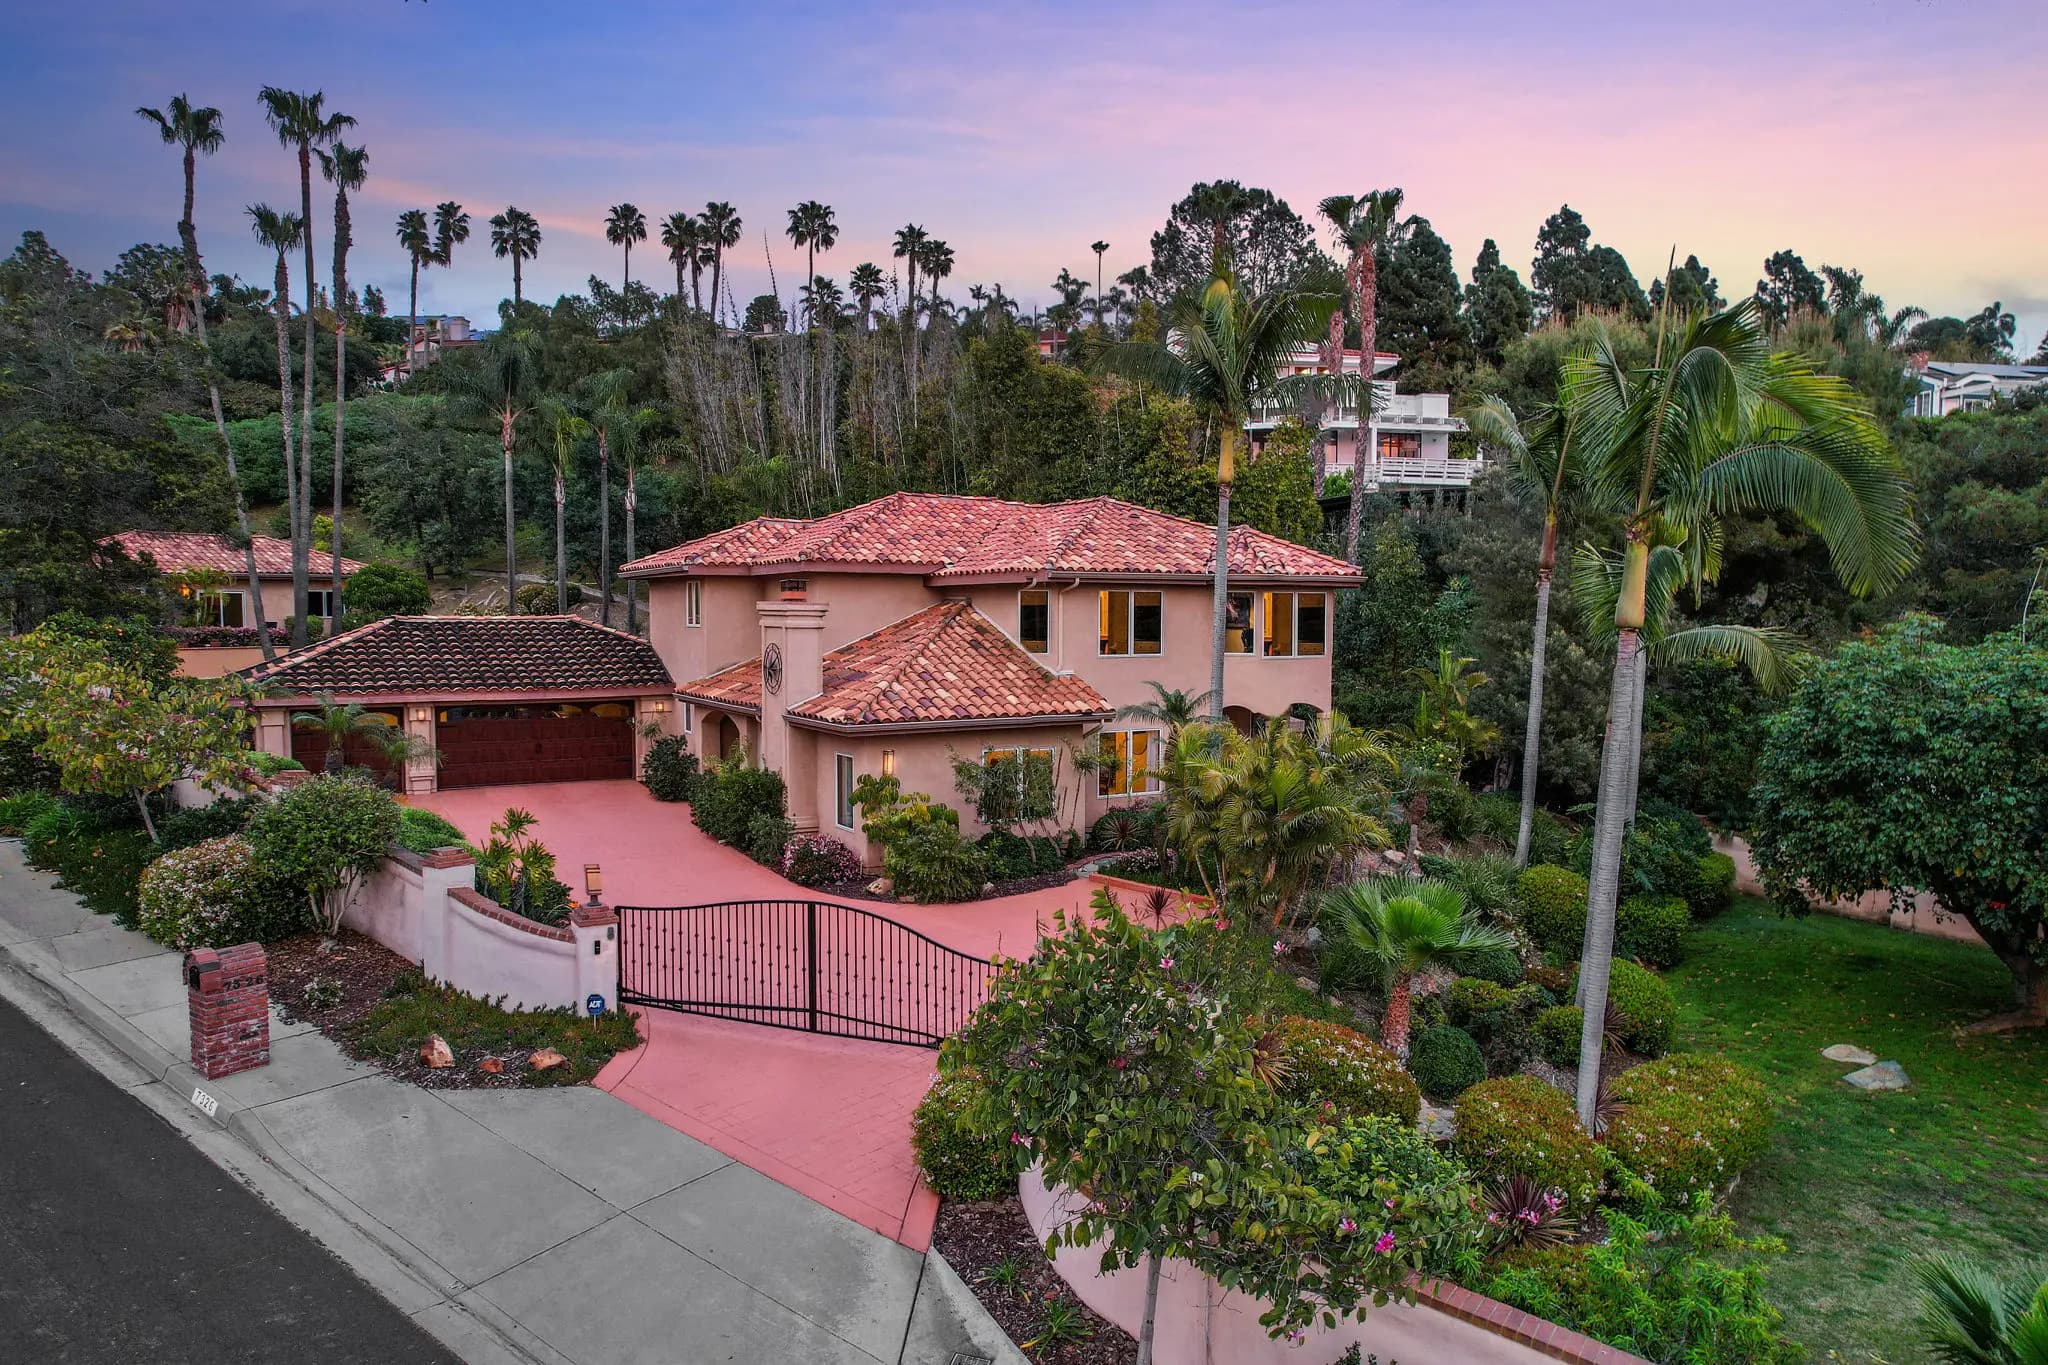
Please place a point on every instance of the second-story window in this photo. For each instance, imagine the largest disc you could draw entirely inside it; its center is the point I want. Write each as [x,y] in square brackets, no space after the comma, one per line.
[1129,622]
[1297,623]
[693,602]
[1399,445]
[1034,620]
[1237,624]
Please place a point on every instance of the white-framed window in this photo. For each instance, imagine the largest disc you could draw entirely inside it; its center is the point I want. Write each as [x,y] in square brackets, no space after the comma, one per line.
[1129,622]
[1037,772]
[1129,759]
[320,602]
[842,790]
[1297,624]
[689,718]
[1034,620]
[1237,624]
[223,607]
[693,602]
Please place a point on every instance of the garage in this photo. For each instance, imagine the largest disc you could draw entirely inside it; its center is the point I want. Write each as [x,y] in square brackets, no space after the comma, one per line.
[484,746]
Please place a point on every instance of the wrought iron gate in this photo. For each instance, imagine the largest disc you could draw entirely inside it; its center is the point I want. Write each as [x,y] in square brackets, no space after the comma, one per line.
[811,965]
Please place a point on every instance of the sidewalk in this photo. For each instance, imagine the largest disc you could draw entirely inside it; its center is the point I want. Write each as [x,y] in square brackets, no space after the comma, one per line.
[559,1226]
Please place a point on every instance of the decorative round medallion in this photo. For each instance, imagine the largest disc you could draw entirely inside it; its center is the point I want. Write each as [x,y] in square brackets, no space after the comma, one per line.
[771,669]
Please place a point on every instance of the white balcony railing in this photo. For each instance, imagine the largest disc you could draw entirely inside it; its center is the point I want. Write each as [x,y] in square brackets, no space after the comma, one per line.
[1397,411]
[1425,471]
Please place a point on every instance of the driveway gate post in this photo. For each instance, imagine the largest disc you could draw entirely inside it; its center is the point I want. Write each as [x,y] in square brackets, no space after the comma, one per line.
[811,958]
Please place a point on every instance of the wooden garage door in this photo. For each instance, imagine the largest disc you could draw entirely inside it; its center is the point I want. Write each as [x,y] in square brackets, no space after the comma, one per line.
[310,747]
[485,746]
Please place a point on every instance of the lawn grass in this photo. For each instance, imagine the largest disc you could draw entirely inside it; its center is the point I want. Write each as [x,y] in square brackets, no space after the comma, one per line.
[1859,1185]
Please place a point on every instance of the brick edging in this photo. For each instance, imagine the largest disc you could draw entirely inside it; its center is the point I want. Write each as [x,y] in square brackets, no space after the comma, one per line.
[490,909]
[1539,1334]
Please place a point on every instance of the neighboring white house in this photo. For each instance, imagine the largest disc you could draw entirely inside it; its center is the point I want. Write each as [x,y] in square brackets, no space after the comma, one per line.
[1410,433]
[1948,386]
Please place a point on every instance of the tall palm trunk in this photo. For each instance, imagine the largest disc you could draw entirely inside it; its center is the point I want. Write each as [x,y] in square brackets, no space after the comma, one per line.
[1400,1015]
[412,325]
[627,282]
[281,316]
[561,546]
[341,244]
[1362,275]
[302,548]
[1220,605]
[910,340]
[680,295]
[517,297]
[1633,787]
[717,274]
[696,284]
[632,506]
[1333,363]
[604,525]
[511,553]
[1532,736]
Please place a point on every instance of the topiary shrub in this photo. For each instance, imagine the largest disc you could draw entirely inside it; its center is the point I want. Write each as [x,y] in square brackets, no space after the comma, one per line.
[422,831]
[729,798]
[1327,1063]
[1556,1034]
[214,894]
[1689,1122]
[1553,906]
[820,860]
[1646,1015]
[669,772]
[1502,966]
[1653,929]
[958,1160]
[1713,889]
[1445,1062]
[1518,1125]
[1499,1019]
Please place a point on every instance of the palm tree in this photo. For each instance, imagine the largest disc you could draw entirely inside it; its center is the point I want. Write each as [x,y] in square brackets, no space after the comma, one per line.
[722,230]
[1393,930]
[451,229]
[346,168]
[909,248]
[568,428]
[1170,709]
[414,236]
[1362,224]
[197,131]
[338,722]
[1715,425]
[679,235]
[514,233]
[1286,813]
[1539,461]
[499,387]
[811,227]
[398,750]
[1098,248]
[607,391]
[1070,288]
[867,285]
[1224,354]
[281,232]
[623,226]
[1974,1316]
[626,434]
[935,258]
[302,123]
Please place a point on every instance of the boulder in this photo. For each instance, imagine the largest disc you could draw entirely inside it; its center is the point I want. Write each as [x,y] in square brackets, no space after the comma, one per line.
[547,1059]
[436,1053]
[1848,1053]
[1883,1076]
[492,1066]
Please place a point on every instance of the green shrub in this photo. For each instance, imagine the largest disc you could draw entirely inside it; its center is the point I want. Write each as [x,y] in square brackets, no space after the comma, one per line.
[1689,1122]
[378,590]
[538,599]
[768,836]
[17,811]
[422,831]
[1486,880]
[1552,981]
[1557,1034]
[1396,1181]
[1445,1063]
[1118,831]
[1518,1125]
[1455,812]
[1713,889]
[1677,1287]
[1675,825]
[728,799]
[1008,855]
[1653,929]
[270,765]
[214,894]
[194,825]
[819,860]
[932,865]
[1045,853]
[516,870]
[669,771]
[1645,1013]
[959,1161]
[414,1009]
[97,858]
[1328,1063]
[1553,906]
[1500,817]
[1500,1020]
[323,837]
[1502,966]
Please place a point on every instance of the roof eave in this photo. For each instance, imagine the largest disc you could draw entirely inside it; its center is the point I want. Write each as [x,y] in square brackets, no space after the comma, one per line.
[949,725]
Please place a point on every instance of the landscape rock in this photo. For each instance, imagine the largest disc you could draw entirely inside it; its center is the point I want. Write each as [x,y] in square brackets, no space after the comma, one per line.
[492,1066]
[547,1059]
[881,886]
[436,1053]
[1850,1053]
[1883,1076]
[1438,1125]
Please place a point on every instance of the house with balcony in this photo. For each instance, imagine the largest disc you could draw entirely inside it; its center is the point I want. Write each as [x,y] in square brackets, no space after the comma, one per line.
[1943,387]
[1405,439]
[898,636]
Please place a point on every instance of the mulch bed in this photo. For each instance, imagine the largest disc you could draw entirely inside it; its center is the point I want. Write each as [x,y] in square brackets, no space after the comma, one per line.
[858,890]
[992,1247]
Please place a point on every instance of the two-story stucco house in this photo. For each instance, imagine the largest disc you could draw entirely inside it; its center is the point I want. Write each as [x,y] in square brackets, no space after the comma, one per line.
[894,636]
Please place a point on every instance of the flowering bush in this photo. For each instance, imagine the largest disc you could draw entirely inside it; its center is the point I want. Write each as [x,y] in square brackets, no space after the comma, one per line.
[1341,1066]
[1400,1190]
[1553,906]
[1518,1125]
[819,860]
[1689,1122]
[213,894]
[958,1158]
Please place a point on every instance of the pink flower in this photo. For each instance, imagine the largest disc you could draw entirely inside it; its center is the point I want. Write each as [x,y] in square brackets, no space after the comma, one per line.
[1165,964]
[1345,1225]
[1385,1244]
[1019,1140]
[1296,1337]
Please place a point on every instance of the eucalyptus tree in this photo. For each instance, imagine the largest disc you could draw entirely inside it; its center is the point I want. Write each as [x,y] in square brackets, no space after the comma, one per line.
[417,238]
[302,123]
[451,229]
[866,285]
[1362,223]
[680,234]
[346,168]
[623,226]
[566,426]
[514,233]
[197,132]
[281,232]
[1224,353]
[607,393]
[1099,247]
[499,387]
[722,230]
[1716,425]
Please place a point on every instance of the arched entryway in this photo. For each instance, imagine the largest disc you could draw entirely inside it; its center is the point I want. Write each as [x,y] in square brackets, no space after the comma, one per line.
[1245,719]
[725,738]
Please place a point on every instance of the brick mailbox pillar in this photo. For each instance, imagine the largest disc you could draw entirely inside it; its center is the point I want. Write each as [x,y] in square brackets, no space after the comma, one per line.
[227,991]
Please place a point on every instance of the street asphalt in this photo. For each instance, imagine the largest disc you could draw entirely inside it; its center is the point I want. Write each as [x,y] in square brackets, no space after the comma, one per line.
[120,1241]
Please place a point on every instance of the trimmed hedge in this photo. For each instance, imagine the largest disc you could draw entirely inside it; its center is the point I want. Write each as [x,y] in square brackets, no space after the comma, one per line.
[1518,1125]
[1445,1062]
[1646,1013]
[958,1160]
[728,801]
[422,831]
[1328,1063]
[1557,1033]
[669,772]
[1714,889]
[1689,1122]
[1653,929]
[1553,906]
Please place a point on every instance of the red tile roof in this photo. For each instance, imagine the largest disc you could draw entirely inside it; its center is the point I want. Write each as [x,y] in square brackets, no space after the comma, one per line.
[180,551]
[433,655]
[952,537]
[947,663]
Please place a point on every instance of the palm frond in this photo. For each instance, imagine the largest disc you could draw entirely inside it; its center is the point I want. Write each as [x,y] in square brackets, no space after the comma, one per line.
[1775,657]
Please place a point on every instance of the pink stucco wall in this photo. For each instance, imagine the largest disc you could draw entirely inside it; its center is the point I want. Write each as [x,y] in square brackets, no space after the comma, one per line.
[1920,915]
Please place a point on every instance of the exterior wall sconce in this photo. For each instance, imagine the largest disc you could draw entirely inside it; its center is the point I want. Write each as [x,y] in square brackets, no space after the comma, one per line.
[660,706]
[795,589]
[593,882]
[420,713]
[888,763]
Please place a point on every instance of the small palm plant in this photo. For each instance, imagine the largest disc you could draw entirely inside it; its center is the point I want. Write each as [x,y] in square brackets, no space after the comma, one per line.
[338,723]
[1975,1316]
[1390,930]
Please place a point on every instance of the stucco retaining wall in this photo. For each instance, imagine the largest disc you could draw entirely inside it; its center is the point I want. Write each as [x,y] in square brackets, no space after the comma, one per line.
[1920,915]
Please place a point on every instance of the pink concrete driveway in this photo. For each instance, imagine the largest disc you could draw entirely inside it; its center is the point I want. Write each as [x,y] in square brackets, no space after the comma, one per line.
[828,1117]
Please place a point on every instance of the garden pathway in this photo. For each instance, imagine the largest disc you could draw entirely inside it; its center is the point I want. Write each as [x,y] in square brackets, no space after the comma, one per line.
[827,1117]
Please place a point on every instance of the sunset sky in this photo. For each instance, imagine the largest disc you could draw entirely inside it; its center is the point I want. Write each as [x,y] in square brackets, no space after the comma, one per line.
[1909,140]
